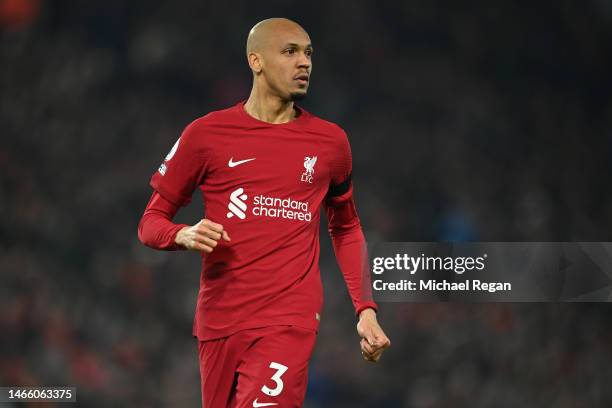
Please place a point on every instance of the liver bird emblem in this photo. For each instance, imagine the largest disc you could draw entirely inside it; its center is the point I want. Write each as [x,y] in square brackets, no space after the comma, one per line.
[309,163]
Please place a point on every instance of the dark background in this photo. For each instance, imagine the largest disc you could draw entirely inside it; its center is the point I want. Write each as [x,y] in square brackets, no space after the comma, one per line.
[482,120]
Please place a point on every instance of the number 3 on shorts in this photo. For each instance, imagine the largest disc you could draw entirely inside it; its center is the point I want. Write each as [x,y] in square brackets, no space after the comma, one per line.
[280,370]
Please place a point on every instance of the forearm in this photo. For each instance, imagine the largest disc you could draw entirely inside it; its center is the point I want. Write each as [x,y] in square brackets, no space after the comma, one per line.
[351,252]
[156,229]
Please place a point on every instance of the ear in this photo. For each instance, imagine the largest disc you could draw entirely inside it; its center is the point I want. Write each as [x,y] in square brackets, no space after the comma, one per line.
[255,62]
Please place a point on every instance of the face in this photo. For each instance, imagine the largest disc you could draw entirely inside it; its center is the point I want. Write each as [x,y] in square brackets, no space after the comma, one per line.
[287,64]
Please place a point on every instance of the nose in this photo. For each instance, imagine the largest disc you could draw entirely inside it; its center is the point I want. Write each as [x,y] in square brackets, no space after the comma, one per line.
[303,61]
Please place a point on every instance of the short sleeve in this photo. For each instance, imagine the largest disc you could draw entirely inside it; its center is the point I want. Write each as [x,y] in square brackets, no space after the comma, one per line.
[183,168]
[341,187]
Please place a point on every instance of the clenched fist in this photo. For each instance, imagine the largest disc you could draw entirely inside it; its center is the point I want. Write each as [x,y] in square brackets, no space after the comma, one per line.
[201,237]
[373,339]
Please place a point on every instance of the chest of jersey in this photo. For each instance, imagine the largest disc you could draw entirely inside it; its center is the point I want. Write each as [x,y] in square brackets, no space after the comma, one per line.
[267,174]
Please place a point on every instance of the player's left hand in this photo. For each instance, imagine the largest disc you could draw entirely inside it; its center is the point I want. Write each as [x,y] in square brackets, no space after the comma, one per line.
[373,339]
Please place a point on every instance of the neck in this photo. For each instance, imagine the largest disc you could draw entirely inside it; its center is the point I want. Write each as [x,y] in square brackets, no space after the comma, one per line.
[269,108]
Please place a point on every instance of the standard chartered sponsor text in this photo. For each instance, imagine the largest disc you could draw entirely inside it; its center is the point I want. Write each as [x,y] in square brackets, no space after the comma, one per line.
[276,207]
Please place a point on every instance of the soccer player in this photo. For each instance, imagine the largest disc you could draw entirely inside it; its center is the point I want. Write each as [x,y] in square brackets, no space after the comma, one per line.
[265,167]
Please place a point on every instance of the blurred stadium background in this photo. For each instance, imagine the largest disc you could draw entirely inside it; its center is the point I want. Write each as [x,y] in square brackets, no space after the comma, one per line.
[483,120]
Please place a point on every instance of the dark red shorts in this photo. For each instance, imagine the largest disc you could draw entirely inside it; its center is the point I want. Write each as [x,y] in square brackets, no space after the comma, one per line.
[265,367]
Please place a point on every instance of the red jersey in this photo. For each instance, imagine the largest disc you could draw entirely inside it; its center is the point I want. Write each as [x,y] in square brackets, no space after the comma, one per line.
[265,183]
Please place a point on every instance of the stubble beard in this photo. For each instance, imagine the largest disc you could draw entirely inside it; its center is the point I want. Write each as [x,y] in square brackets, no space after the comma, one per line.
[297,96]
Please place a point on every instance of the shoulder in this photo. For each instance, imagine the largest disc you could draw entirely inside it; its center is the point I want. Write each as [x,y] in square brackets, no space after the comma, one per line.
[325,126]
[339,152]
[199,130]
[214,118]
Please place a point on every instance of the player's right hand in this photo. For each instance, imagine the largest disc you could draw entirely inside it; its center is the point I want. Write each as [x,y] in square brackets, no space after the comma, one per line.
[202,236]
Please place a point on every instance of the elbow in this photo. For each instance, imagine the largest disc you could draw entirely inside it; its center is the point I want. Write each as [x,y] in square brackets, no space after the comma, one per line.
[343,219]
[142,236]
[347,230]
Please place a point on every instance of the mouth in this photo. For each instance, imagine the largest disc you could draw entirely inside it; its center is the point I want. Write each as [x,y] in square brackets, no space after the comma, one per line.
[302,79]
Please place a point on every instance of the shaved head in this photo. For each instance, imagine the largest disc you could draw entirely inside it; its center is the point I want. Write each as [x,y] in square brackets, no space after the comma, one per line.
[279,54]
[263,32]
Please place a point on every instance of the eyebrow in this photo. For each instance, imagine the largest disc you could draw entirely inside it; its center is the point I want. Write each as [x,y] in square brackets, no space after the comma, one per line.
[298,46]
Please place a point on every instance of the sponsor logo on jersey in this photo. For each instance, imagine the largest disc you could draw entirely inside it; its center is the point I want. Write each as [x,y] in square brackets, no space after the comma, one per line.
[232,163]
[309,163]
[267,206]
[263,404]
[237,205]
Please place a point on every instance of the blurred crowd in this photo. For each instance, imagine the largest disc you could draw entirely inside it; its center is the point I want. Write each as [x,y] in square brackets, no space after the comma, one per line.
[486,122]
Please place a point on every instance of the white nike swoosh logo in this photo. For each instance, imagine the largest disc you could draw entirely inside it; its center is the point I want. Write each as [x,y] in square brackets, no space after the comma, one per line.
[233,163]
[263,404]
